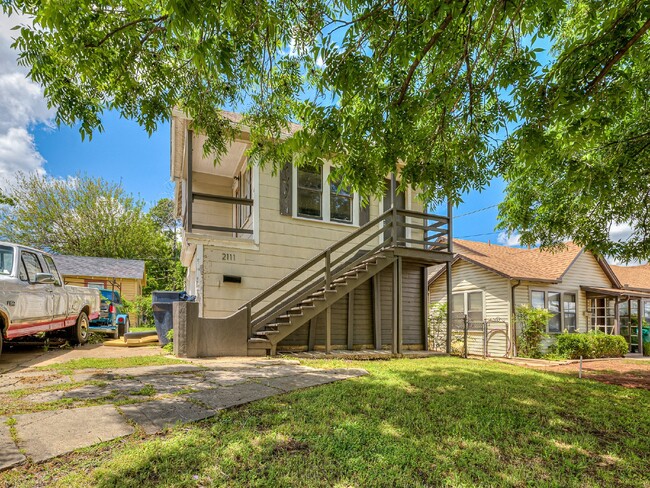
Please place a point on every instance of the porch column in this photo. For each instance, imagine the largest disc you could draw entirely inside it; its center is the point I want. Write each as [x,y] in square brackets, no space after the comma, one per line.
[617,317]
[640,330]
[449,283]
[190,198]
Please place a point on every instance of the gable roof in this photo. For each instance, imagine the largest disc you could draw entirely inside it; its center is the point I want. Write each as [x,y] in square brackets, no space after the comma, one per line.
[633,277]
[100,267]
[522,264]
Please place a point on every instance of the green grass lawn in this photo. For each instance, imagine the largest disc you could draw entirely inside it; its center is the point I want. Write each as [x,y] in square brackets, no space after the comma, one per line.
[68,367]
[424,422]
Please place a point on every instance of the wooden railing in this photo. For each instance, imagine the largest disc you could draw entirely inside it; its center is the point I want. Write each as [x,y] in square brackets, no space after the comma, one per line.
[218,199]
[393,228]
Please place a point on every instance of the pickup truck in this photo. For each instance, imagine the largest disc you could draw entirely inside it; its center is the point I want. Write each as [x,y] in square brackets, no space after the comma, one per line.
[33,297]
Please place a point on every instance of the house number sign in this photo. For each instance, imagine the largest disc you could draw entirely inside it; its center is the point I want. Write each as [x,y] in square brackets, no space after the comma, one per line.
[228,256]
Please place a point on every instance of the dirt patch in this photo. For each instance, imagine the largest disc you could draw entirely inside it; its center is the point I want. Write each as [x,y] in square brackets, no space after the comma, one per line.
[622,372]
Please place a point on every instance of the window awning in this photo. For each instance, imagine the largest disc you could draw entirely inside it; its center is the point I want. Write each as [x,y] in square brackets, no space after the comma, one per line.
[593,292]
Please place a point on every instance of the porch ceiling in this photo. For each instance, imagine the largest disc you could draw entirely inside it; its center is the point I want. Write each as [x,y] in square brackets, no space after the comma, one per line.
[613,292]
[226,165]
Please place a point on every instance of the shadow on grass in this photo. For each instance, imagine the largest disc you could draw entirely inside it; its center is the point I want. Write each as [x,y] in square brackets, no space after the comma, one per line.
[409,423]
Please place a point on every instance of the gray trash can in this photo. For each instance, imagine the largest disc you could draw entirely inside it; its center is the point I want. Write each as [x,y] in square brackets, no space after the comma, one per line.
[162,305]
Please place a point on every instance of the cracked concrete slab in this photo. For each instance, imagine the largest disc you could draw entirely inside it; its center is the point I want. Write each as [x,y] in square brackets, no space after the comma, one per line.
[44,435]
[9,452]
[156,415]
[231,396]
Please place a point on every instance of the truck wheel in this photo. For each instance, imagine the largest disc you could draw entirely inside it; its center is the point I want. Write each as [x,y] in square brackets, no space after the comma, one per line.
[79,332]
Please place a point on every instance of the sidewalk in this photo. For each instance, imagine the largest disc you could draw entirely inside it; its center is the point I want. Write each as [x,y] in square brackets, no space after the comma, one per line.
[149,398]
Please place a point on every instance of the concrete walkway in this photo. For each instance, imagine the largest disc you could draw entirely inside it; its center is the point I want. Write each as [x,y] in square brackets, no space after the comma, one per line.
[149,398]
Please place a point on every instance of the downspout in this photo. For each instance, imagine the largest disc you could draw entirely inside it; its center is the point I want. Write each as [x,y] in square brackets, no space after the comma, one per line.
[513,314]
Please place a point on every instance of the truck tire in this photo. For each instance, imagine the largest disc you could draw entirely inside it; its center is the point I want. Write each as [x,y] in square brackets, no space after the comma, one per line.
[79,331]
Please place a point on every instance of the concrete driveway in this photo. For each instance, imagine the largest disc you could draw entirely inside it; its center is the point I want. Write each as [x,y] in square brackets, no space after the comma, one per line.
[48,413]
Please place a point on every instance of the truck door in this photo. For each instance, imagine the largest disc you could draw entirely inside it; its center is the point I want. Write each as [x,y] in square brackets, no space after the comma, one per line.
[34,304]
[59,296]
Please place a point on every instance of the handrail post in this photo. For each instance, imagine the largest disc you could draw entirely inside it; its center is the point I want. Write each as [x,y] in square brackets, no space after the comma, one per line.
[328,270]
[393,223]
[249,313]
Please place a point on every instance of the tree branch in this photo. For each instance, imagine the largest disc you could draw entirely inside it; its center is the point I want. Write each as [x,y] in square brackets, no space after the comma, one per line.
[126,26]
[418,59]
[616,58]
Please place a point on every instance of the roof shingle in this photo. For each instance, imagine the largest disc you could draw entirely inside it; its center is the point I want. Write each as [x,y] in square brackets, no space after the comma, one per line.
[633,277]
[100,267]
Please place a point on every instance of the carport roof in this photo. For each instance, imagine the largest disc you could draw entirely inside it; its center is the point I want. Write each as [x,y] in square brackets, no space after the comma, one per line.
[99,267]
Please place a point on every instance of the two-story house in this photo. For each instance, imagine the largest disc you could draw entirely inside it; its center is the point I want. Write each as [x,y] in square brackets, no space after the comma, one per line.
[294,261]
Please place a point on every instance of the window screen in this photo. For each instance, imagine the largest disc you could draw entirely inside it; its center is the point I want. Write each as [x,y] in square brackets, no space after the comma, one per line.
[475,307]
[537,299]
[555,322]
[310,192]
[340,203]
[569,310]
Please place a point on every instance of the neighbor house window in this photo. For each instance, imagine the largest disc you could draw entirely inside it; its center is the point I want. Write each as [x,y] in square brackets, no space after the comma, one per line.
[569,312]
[340,203]
[310,192]
[469,303]
[562,307]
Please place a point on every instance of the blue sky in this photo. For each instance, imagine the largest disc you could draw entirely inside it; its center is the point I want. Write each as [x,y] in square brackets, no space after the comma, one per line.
[124,153]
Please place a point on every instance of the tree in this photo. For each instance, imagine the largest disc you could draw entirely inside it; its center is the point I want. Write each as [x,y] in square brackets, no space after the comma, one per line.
[167,272]
[547,94]
[81,216]
[5,200]
[86,216]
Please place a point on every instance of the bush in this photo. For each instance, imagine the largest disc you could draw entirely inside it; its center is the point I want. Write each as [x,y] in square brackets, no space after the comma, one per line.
[646,348]
[591,345]
[437,326]
[533,322]
[142,307]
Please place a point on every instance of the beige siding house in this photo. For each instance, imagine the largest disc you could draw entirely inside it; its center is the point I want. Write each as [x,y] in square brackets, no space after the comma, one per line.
[299,256]
[127,276]
[490,281]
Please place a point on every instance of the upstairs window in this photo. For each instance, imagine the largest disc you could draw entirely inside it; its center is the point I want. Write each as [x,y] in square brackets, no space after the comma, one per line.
[310,192]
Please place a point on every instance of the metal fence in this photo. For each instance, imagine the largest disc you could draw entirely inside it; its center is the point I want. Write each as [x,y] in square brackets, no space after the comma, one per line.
[485,338]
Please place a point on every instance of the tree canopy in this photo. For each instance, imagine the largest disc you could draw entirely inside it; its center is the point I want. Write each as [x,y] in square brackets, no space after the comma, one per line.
[549,95]
[86,216]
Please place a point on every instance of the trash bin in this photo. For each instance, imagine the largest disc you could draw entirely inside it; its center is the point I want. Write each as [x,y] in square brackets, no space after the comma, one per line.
[162,305]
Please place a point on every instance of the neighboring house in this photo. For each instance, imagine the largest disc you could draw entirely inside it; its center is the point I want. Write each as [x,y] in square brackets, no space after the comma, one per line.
[635,280]
[490,281]
[256,247]
[127,276]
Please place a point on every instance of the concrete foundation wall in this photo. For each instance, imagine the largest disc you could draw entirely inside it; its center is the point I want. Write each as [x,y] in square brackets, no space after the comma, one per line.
[196,337]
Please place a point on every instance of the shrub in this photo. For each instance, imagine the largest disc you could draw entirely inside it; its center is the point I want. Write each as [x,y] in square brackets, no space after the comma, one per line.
[533,322]
[591,345]
[141,305]
[437,326]
[646,348]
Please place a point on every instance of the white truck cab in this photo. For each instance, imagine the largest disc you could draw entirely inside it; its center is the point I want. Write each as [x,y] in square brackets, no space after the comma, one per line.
[33,297]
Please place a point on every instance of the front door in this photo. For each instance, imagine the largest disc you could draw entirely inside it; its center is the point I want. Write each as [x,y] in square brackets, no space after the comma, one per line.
[400,203]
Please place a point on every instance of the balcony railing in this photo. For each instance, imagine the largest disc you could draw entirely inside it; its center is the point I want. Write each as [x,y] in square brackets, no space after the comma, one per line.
[246,202]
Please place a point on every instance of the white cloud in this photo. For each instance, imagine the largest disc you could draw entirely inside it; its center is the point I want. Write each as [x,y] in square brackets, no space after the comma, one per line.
[22,106]
[620,232]
[510,240]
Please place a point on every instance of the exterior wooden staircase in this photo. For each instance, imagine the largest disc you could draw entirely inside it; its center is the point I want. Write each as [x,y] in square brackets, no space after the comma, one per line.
[335,272]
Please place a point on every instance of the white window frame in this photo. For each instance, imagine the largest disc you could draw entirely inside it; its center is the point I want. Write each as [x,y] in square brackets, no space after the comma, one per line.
[466,301]
[325,200]
[576,293]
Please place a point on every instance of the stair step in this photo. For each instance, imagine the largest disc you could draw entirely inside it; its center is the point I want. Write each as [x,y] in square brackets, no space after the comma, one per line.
[264,333]
[258,340]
